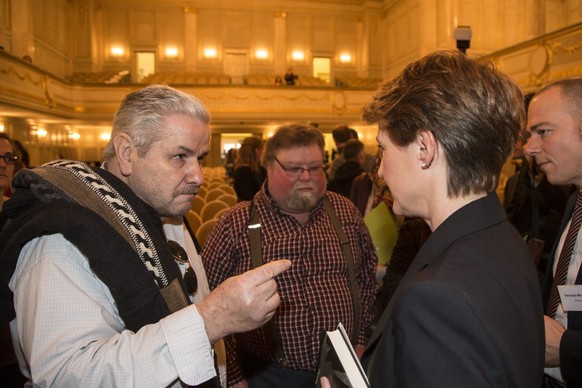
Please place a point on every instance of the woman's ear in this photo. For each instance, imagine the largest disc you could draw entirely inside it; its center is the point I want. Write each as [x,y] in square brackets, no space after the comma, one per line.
[427,147]
[123,153]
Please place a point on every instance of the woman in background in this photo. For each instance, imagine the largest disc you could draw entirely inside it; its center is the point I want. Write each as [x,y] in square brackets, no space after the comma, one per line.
[8,161]
[9,372]
[248,173]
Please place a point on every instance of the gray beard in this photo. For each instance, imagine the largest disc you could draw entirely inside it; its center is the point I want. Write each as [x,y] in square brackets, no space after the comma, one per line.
[302,202]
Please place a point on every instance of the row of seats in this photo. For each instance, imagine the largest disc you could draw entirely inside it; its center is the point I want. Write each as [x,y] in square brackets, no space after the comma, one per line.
[112,77]
[356,82]
[270,79]
[223,79]
[187,78]
[105,77]
[214,199]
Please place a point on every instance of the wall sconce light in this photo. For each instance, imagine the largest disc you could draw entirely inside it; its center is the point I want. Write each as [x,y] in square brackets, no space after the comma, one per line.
[106,136]
[297,55]
[40,132]
[171,52]
[74,136]
[117,51]
[345,58]
[209,52]
[1,127]
[261,54]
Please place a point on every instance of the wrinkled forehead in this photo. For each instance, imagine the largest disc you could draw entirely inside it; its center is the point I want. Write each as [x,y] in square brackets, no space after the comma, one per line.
[5,146]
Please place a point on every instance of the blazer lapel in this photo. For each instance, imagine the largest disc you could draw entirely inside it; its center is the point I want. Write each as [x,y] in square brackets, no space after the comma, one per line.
[476,215]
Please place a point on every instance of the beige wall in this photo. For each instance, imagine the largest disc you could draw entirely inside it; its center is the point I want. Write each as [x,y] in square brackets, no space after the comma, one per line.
[316,28]
[63,36]
[413,28]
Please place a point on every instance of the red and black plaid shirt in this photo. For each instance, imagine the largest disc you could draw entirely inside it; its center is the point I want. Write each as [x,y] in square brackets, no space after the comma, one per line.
[315,291]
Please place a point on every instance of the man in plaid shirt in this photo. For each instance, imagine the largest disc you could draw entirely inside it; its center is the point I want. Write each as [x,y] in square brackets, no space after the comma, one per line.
[315,292]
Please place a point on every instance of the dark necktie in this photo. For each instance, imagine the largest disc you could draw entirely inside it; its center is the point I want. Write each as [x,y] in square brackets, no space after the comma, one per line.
[565,256]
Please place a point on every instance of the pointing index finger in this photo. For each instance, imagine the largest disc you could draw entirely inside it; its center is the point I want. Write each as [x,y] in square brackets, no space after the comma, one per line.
[268,271]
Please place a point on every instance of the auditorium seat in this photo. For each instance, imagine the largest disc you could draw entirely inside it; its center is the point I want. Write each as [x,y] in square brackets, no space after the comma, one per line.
[213,193]
[197,204]
[194,220]
[211,208]
[204,230]
[230,199]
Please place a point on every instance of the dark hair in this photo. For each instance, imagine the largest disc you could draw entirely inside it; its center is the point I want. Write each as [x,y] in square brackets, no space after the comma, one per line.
[23,153]
[291,136]
[247,154]
[475,113]
[341,134]
[352,149]
[527,99]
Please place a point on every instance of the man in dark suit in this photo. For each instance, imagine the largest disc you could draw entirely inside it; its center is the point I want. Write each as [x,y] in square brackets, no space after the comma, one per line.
[555,124]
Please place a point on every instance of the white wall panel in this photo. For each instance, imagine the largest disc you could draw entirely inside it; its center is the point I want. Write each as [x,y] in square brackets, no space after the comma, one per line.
[324,37]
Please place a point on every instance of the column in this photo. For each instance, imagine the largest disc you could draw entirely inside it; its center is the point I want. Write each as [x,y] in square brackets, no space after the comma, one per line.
[22,29]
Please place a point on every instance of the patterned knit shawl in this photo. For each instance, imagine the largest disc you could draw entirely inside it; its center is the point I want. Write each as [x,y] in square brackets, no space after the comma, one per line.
[120,235]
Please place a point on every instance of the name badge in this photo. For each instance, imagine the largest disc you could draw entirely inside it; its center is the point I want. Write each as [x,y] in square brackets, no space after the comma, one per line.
[571,297]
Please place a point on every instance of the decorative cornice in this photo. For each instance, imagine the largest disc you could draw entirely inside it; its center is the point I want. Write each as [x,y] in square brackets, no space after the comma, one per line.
[38,80]
[558,48]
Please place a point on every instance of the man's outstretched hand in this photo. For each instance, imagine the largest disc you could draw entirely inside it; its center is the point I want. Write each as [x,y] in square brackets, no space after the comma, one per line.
[242,303]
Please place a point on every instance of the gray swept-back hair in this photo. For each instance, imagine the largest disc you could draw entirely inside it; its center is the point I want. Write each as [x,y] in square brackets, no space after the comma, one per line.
[143,112]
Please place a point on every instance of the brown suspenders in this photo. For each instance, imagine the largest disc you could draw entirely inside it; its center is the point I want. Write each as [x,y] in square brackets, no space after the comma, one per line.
[345,243]
[257,260]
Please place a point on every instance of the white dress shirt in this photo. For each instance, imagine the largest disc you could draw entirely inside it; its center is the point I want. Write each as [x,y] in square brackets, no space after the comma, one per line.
[68,332]
[175,230]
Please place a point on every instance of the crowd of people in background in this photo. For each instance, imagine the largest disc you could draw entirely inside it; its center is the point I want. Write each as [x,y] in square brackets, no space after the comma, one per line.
[470,295]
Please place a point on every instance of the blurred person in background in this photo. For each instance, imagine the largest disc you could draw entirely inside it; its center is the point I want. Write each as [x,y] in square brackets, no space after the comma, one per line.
[9,160]
[248,175]
[9,372]
[353,153]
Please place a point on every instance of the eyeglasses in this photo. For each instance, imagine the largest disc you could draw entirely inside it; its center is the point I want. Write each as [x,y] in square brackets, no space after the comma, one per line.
[180,256]
[296,172]
[10,158]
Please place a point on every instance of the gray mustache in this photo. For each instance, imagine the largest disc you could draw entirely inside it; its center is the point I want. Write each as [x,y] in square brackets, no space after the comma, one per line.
[189,190]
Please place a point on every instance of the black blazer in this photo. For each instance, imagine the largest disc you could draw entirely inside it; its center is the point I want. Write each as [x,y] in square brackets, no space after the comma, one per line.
[467,313]
[571,343]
